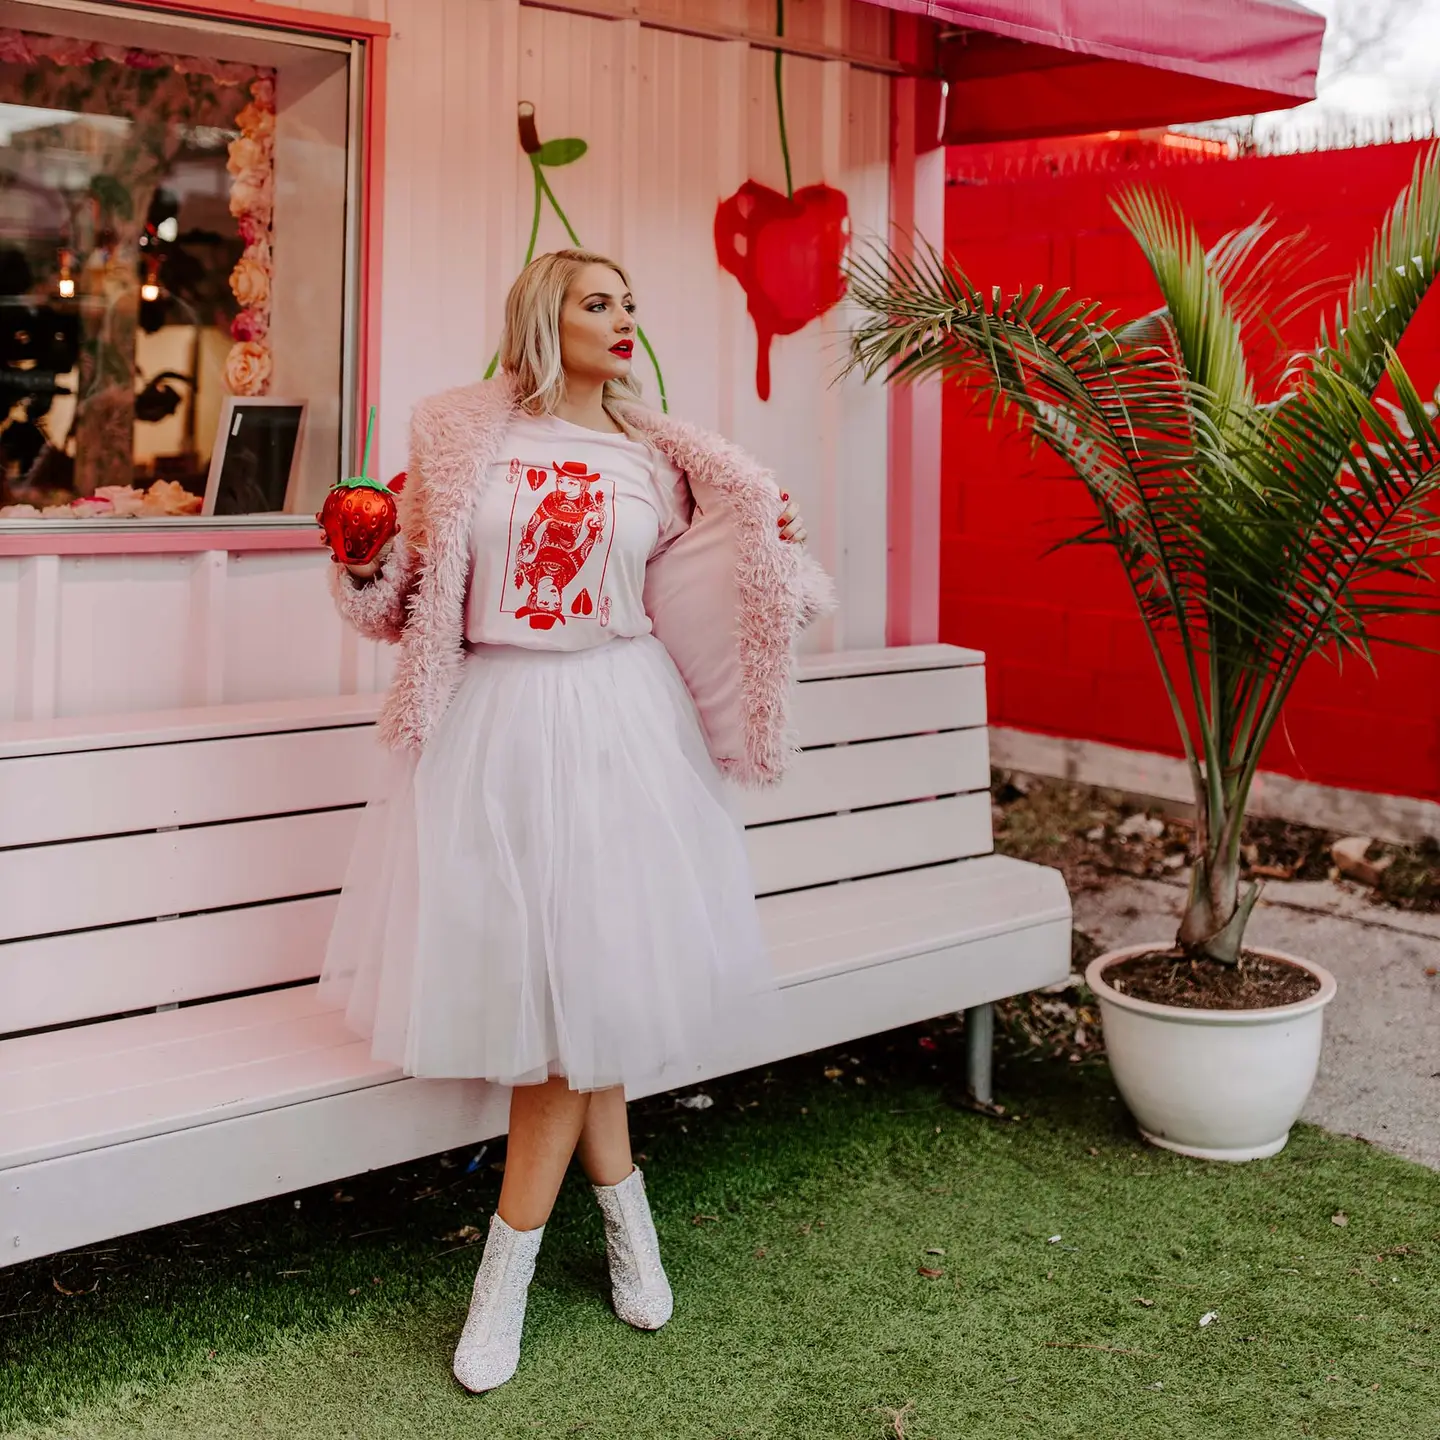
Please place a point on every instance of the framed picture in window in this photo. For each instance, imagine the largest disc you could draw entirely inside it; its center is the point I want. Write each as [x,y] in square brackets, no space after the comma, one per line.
[254,467]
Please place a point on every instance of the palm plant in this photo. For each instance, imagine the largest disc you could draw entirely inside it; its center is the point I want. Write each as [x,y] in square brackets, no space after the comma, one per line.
[1254,534]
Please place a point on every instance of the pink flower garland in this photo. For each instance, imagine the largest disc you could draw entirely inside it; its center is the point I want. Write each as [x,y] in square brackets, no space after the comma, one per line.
[28,47]
[251,163]
[252,202]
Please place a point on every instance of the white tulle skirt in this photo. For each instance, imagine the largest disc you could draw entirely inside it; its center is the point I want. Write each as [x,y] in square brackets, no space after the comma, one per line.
[558,886]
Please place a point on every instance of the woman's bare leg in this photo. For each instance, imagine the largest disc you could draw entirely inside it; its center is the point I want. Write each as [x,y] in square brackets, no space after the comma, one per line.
[605,1137]
[545,1123]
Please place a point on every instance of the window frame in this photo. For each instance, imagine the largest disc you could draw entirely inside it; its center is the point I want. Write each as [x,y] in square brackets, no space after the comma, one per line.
[366,42]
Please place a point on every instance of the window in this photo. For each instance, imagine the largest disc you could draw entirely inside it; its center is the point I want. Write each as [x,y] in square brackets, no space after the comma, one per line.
[177,230]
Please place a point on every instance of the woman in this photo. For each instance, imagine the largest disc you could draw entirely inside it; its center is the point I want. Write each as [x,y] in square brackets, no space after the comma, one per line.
[554,895]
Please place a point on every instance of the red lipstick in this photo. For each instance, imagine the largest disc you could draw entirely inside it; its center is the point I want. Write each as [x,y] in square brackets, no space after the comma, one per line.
[623,348]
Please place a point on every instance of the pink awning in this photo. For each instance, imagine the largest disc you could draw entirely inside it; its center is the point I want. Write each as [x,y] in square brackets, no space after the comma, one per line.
[1023,68]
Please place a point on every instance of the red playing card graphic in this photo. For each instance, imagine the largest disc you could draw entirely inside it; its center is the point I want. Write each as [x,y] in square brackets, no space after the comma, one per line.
[560,538]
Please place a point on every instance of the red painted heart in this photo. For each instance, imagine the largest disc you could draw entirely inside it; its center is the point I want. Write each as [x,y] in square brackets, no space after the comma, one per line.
[787,255]
[582,604]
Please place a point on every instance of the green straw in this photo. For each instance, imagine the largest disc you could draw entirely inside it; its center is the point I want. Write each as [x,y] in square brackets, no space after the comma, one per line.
[369,434]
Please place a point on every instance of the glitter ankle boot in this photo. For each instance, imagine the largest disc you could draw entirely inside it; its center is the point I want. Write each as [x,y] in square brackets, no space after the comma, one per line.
[489,1348]
[639,1290]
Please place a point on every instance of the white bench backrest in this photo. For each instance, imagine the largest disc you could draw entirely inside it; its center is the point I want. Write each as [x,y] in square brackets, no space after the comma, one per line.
[174,858]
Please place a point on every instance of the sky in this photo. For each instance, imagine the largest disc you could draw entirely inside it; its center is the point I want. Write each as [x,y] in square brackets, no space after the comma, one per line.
[1396,69]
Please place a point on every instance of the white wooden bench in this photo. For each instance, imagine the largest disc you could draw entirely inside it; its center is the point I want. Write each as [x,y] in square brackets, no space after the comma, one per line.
[167,884]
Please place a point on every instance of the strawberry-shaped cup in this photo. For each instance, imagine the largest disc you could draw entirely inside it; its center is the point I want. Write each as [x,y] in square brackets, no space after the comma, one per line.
[359,513]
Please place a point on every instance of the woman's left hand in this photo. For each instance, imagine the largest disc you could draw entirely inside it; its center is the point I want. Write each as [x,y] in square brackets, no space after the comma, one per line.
[792,527]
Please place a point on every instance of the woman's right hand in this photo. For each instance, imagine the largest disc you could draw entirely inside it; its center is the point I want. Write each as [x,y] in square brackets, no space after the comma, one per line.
[361,573]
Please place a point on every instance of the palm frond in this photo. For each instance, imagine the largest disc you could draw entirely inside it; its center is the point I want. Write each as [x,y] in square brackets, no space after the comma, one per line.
[1121,415]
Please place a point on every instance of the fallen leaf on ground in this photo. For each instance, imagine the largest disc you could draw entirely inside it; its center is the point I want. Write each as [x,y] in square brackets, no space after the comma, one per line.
[1141,1300]
[700,1219]
[1339,1218]
[935,1250]
[895,1420]
[930,1274]
[64,1291]
[833,1072]
[1208,1317]
[466,1234]
[1054,1239]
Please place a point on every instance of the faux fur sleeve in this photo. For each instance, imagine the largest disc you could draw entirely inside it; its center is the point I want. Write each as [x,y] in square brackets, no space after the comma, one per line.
[377,608]
[813,588]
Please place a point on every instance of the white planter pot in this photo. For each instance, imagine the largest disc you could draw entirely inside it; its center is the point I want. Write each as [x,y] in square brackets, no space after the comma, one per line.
[1216,1084]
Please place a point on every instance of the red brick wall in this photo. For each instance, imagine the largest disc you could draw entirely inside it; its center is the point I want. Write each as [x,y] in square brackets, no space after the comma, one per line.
[1066,654]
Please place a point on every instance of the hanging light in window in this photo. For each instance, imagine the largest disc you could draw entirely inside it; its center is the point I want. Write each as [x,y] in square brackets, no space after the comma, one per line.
[65,287]
[150,290]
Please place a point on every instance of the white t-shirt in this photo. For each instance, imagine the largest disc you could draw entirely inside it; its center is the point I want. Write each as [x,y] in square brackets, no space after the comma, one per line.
[565,523]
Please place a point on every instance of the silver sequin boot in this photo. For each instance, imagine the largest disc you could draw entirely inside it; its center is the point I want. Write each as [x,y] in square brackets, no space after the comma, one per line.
[489,1348]
[638,1287]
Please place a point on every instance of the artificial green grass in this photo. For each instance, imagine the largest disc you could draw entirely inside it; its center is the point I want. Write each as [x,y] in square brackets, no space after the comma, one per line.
[796,1217]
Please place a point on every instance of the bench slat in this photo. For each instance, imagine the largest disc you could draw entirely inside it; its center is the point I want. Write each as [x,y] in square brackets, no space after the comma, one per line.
[62,978]
[203,1060]
[45,798]
[112,1042]
[814,933]
[882,772]
[872,707]
[842,847]
[54,888]
[48,799]
[91,1121]
[255,717]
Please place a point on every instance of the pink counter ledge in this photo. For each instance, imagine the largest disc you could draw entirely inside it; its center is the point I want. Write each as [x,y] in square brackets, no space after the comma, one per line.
[186,537]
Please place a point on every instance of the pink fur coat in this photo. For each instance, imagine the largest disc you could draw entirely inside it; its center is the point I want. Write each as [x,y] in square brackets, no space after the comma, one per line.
[418,599]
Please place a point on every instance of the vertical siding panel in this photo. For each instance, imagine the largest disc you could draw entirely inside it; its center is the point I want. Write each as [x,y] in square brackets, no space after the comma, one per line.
[732,79]
[39,626]
[863,494]
[448,281]
[502,204]
[399,333]
[634,139]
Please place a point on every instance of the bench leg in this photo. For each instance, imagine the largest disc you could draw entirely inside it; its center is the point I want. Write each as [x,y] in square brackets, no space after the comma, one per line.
[979,1045]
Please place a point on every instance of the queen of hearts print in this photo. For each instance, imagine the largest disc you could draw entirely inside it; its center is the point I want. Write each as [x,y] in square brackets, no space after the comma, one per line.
[553,545]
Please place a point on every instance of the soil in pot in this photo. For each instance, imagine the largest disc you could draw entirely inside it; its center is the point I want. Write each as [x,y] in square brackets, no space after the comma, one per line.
[1167,977]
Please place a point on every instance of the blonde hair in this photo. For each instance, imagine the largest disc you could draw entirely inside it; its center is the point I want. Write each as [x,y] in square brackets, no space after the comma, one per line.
[530,342]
